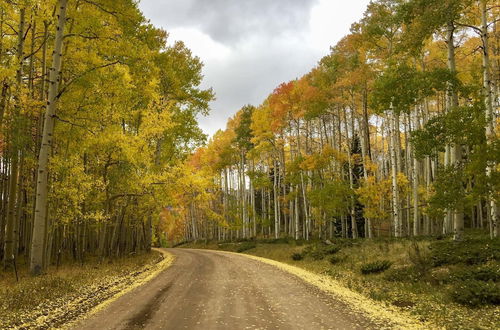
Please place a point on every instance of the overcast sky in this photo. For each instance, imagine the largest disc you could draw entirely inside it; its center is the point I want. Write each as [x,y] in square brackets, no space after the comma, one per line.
[249,47]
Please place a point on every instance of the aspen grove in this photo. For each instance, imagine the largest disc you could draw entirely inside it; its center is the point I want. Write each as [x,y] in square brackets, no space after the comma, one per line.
[97,112]
[394,133]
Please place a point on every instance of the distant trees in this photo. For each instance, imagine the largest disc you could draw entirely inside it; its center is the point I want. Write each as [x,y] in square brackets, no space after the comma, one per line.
[95,111]
[393,133]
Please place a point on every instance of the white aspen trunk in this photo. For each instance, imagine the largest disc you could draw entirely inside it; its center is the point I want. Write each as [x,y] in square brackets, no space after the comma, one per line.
[297,221]
[449,216]
[275,200]
[399,167]
[490,113]
[456,150]
[394,169]
[254,215]
[415,177]
[397,137]
[282,185]
[304,199]
[37,245]
[194,223]
[243,196]
[225,195]
[408,172]
[427,173]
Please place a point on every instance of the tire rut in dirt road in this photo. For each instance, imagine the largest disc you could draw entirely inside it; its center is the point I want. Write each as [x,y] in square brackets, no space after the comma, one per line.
[147,312]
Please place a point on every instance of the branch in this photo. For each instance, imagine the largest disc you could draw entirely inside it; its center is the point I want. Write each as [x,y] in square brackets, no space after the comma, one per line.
[124,195]
[497,20]
[475,28]
[11,27]
[100,7]
[81,36]
[412,207]
[65,87]
[39,47]
[89,37]
[26,32]
[73,124]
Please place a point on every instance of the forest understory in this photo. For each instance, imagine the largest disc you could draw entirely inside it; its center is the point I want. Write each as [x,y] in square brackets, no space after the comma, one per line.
[72,290]
[444,283]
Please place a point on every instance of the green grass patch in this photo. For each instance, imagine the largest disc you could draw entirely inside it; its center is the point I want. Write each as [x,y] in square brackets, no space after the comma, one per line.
[375,267]
[476,293]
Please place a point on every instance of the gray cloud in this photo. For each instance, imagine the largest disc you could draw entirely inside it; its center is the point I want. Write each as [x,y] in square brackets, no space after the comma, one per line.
[249,47]
[230,21]
[249,78]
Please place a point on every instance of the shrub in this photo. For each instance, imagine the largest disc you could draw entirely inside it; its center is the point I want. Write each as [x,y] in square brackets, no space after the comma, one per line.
[420,258]
[226,246]
[335,260]
[375,267]
[332,249]
[439,276]
[319,251]
[309,248]
[470,252]
[245,246]
[297,256]
[476,293]
[315,251]
[404,274]
[483,273]
[281,240]
[318,254]
[345,243]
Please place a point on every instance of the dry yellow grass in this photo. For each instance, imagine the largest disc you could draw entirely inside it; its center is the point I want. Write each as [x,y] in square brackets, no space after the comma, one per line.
[358,302]
[66,293]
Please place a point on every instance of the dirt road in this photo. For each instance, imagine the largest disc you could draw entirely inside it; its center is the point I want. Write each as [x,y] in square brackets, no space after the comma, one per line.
[216,290]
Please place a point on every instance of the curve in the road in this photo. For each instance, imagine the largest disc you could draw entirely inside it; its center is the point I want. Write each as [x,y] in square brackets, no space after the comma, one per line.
[216,290]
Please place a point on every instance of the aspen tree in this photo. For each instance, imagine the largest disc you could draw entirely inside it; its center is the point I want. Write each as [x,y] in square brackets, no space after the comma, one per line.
[11,235]
[39,225]
[490,113]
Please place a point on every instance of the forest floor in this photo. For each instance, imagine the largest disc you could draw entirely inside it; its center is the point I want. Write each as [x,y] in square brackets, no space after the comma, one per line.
[440,282]
[67,292]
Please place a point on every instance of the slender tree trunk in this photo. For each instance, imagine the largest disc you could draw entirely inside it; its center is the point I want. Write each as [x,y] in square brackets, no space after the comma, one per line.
[354,225]
[415,177]
[36,264]
[275,200]
[456,150]
[14,166]
[490,114]
[395,191]
[366,155]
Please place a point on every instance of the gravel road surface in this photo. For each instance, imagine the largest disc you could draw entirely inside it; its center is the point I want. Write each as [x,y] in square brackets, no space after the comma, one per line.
[205,289]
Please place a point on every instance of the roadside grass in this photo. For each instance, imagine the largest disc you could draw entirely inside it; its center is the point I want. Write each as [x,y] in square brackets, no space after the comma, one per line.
[452,285]
[31,300]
